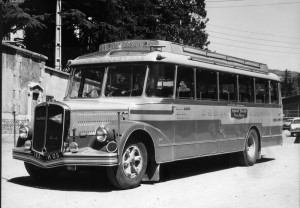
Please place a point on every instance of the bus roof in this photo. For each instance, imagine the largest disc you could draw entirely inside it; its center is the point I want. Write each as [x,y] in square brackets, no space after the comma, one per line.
[194,54]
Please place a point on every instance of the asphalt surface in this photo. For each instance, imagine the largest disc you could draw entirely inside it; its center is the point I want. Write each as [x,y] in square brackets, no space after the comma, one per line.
[206,182]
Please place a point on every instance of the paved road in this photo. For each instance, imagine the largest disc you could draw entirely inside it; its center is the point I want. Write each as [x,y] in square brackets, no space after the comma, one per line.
[206,182]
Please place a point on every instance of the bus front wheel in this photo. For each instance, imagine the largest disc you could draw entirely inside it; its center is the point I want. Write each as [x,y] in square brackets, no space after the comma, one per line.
[130,172]
[250,154]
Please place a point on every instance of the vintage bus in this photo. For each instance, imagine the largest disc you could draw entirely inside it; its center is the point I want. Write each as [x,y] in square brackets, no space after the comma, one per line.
[137,104]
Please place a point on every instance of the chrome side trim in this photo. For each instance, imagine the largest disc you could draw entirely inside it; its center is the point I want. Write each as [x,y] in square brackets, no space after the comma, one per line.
[200,142]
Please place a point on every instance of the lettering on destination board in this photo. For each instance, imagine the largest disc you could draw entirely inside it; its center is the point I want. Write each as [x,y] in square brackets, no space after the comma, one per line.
[238,113]
[137,44]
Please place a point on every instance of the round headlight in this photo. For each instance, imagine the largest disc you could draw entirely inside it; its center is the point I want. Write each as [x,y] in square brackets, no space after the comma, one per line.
[27,145]
[23,132]
[73,147]
[101,134]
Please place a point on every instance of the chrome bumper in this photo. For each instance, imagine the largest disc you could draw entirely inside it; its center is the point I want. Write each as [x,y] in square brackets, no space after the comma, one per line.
[84,157]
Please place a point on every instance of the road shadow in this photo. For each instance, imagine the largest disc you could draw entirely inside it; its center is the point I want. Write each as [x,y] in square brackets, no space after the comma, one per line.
[264,159]
[95,179]
[199,166]
[92,180]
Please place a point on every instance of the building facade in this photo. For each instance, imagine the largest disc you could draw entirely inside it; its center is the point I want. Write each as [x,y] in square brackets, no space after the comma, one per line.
[291,106]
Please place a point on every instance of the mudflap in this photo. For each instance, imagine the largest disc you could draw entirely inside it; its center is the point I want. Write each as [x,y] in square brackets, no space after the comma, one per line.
[153,173]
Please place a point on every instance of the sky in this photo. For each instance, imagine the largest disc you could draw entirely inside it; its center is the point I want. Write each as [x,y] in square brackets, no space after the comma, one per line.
[266,31]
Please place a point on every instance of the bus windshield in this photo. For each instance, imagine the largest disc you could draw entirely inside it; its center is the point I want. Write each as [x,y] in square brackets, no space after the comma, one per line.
[87,82]
[125,80]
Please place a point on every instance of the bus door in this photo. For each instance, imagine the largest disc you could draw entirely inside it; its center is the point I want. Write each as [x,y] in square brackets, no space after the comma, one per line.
[184,109]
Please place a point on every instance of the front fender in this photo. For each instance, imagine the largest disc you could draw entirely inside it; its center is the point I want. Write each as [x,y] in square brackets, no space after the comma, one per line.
[162,145]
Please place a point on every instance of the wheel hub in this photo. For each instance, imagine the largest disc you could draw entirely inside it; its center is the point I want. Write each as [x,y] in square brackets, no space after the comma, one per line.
[132,162]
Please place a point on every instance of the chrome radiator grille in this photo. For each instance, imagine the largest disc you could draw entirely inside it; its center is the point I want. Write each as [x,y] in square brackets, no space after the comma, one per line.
[51,125]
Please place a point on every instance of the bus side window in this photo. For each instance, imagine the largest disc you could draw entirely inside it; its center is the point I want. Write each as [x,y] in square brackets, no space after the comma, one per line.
[274,92]
[160,82]
[185,83]
[262,91]
[228,87]
[206,85]
[246,89]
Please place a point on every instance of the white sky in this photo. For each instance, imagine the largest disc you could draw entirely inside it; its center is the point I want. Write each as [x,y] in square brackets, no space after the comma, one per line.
[267,33]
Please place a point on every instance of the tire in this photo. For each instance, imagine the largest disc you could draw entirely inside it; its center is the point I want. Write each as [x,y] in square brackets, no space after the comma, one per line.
[131,170]
[250,154]
[41,174]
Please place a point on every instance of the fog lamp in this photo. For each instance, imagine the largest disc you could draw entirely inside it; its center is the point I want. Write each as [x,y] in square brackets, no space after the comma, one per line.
[27,145]
[23,132]
[111,146]
[101,134]
[73,147]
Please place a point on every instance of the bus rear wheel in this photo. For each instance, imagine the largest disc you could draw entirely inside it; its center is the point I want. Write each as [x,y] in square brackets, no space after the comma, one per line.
[250,154]
[131,170]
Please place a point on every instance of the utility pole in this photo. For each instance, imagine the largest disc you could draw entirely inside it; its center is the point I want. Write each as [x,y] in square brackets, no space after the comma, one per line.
[58,37]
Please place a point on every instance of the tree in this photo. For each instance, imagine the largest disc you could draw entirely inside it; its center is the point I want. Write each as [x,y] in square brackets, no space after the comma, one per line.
[296,84]
[86,24]
[290,85]
[14,19]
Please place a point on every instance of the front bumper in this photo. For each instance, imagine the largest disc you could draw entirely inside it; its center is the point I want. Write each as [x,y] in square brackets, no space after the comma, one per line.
[84,157]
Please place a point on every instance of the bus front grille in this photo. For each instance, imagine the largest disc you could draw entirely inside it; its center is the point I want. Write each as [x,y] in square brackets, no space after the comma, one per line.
[50,128]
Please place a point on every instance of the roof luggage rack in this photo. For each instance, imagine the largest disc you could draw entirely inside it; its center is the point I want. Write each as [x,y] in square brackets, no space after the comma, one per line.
[195,54]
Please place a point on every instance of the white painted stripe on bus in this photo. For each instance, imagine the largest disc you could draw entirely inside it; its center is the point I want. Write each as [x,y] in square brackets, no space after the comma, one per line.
[194,112]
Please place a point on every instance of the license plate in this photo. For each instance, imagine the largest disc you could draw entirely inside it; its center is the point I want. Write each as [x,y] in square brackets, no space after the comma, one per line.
[47,157]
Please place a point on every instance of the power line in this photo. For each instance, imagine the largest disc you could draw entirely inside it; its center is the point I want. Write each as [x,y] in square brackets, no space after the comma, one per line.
[253,32]
[253,43]
[240,36]
[254,48]
[251,5]
[257,54]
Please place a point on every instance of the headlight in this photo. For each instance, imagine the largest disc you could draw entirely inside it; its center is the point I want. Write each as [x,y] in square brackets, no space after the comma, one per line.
[101,134]
[73,147]
[23,132]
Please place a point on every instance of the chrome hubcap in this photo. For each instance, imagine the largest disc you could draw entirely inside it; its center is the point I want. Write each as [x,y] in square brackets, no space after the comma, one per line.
[251,146]
[132,161]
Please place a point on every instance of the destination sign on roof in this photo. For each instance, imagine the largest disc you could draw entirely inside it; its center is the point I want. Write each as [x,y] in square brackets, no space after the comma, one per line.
[132,44]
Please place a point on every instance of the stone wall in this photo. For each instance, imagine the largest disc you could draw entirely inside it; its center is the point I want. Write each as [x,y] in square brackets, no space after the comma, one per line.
[26,82]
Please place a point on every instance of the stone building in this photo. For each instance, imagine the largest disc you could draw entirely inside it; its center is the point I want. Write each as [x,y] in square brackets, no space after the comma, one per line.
[291,106]
[26,81]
